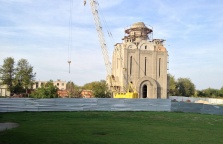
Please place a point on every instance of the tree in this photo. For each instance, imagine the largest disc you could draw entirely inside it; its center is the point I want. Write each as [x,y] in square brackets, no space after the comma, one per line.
[210,92]
[7,72]
[200,93]
[46,91]
[99,88]
[172,85]
[24,74]
[185,87]
[73,90]
[221,92]
[51,90]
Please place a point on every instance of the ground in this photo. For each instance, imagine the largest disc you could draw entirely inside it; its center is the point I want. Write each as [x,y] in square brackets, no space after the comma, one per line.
[7,125]
[112,128]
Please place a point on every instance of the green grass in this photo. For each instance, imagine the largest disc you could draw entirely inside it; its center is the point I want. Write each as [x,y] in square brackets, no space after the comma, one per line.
[112,128]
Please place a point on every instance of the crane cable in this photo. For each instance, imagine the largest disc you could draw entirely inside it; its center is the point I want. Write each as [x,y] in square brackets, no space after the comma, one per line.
[108,32]
[111,38]
[105,24]
[70,34]
[70,37]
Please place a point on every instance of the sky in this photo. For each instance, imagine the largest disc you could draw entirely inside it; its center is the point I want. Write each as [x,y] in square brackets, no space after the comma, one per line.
[38,30]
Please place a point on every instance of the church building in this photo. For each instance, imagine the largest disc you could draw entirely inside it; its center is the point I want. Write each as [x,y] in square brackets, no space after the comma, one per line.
[141,61]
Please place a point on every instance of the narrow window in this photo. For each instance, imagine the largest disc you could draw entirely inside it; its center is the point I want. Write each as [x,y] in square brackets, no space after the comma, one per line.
[159,65]
[144,91]
[145,47]
[130,66]
[145,67]
[117,62]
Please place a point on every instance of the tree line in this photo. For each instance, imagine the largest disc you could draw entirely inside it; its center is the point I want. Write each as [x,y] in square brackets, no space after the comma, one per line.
[47,90]
[19,78]
[185,87]
[99,89]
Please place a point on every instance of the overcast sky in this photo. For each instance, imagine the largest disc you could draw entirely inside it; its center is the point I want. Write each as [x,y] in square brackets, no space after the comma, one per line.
[38,30]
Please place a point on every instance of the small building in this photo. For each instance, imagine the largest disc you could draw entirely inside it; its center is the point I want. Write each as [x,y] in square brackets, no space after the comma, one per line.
[61,85]
[4,91]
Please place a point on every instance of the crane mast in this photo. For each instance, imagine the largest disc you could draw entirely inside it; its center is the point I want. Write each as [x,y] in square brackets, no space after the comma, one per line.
[110,77]
[94,10]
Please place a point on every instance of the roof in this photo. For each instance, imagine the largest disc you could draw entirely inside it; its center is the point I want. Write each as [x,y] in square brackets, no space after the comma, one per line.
[138,25]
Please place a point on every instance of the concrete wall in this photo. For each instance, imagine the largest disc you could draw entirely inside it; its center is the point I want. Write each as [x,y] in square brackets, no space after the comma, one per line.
[197,100]
[196,108]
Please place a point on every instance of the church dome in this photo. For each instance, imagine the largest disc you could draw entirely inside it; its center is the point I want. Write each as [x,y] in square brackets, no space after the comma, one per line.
[137,31]
[138,25]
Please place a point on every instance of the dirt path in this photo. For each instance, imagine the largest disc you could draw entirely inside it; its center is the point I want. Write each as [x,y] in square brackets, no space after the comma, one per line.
[7,125]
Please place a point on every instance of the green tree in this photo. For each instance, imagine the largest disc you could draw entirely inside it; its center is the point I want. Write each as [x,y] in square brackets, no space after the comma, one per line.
[200,93]
[209,92]
[24,74]
[220,92]
[46,91]
[172,85]
[7,72]
[185,87]
[51,90]
[99,88]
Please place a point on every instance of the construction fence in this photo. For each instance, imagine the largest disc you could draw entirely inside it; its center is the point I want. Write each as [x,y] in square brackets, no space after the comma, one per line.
[105,104]
[81,104]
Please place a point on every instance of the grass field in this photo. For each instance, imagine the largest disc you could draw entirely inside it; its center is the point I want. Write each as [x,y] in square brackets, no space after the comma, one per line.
[112,128]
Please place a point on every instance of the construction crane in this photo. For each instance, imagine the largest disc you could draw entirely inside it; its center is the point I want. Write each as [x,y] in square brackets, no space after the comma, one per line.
[94,8]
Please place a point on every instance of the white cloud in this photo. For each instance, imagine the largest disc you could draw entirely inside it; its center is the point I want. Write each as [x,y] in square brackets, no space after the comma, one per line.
[38,31]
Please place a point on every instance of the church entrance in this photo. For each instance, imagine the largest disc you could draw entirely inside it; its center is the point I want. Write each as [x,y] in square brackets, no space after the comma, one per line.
[144,91]
[147,88]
